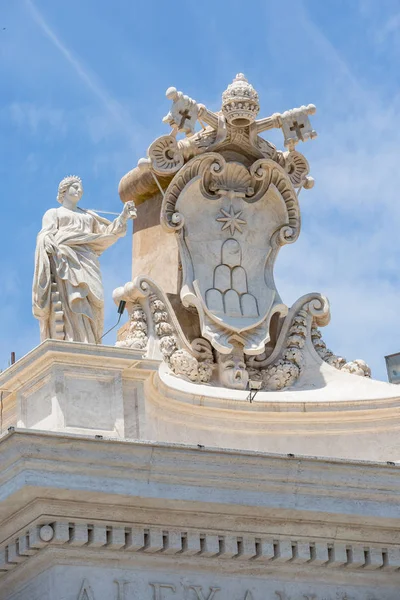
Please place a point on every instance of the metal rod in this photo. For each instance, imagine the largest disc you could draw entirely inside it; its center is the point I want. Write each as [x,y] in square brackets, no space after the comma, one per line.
[300,188]
[158,183]
[121,308]
[252,395]
[103,212]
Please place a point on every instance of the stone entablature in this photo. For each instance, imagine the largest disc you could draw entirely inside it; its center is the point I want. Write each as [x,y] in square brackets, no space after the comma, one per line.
[96,513]
[273,550]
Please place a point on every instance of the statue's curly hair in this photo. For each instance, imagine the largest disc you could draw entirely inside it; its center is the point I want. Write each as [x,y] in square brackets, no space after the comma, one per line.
[64,185]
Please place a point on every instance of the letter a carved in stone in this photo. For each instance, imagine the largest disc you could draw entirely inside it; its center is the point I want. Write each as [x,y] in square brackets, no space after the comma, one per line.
[86,591]
[199,591]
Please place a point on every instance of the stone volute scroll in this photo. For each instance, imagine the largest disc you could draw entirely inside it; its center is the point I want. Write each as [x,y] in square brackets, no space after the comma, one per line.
[231,201]
[67,293]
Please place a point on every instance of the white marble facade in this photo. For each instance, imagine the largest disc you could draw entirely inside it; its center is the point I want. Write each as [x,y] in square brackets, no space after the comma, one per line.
[85,389]
[229,500]
[107,519]
[220,451]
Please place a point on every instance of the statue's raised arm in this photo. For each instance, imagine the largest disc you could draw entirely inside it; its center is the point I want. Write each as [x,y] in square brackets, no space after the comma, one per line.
[67,294]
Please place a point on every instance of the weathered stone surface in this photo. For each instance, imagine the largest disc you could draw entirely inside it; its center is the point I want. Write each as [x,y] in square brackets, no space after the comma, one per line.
[154,251]
[79,512]
[146,471]
[103,390]
[67,291]
[229,201]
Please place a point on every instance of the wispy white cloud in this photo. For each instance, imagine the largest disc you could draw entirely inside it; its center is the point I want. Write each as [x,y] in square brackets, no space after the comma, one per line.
[358,272]
[119,114]
[348,247]
[336,62]
[382,25]
[391,26]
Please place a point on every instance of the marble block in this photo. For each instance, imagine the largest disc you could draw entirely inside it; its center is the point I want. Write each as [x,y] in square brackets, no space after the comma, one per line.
[88,518]
[115,392]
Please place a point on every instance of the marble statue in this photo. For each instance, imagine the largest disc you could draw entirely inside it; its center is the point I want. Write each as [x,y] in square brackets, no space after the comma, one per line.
[67,289]
[231,199]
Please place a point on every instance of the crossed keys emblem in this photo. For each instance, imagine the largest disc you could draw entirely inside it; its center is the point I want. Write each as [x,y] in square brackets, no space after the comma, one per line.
[185,112]
[296,126]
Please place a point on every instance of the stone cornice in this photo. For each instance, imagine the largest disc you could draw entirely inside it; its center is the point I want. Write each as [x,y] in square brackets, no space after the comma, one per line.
[193,478]
[378,414]
[72,498]
[50,351]
[197,544]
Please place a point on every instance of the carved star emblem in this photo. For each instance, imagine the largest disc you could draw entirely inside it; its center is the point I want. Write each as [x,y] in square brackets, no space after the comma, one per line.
[231,220]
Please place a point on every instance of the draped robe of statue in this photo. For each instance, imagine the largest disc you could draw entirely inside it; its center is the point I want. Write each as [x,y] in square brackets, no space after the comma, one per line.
[77,238]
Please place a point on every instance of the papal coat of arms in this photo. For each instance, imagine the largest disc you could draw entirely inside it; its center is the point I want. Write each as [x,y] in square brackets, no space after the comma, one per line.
[231,199]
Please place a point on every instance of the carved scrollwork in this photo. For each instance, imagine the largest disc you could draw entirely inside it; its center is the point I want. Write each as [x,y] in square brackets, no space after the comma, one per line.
[284,366]
[217,175]
[297,167]
[202,349]
[165,155]
[267,172]
[193,361]
[182,362]
[170,219]
[354,367]
[319,309]
[286,369]
[285,235]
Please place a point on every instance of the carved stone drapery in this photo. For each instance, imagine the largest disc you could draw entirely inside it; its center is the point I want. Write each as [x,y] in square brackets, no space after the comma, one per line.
[67,290]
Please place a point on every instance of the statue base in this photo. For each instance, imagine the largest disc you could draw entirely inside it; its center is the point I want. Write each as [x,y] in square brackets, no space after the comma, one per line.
[92,511]
[86,389]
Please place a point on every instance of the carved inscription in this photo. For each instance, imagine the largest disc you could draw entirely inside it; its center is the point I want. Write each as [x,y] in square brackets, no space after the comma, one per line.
[121,589]
[125,590]
[200,595]
[86,591]
[284,596]
[159,589]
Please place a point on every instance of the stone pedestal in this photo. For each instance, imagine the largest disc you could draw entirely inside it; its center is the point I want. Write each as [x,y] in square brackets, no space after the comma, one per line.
[154,251]
[92,510]
[115,392]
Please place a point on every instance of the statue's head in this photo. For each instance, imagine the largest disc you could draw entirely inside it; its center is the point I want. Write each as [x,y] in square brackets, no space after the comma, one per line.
[70,187]
[232,369]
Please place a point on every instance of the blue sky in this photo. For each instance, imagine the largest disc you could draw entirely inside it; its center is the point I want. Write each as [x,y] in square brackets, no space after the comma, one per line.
[83,91]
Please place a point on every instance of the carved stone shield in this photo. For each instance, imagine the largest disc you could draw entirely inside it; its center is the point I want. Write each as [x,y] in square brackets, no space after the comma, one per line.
[231,221]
